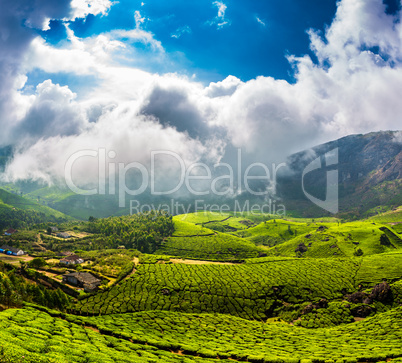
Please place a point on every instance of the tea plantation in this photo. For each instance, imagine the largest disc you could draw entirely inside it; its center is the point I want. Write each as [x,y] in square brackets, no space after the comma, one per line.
[31,335]
[247,288]
[251,291]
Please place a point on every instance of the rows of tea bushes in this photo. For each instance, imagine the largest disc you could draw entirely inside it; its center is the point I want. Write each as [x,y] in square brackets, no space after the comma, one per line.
[216,247]
[30,335]
[196,241]
[386,266]
[276,231]
[375,339]
[250,291]
[183,229]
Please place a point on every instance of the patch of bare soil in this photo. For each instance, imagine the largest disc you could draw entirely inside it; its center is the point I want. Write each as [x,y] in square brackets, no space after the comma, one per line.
[199,262]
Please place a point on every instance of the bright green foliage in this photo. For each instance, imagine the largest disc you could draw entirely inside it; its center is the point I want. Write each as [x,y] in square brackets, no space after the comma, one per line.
[380,267]
[109,262]
[28,335]
[335,314]
[14,290]
[202,217]
[218,247]
[343,240]
[144,259]
[184,229]
[143,232]
[389,217]
[276,231]
[249,290]
[198,242]
[236,338]
[153,336]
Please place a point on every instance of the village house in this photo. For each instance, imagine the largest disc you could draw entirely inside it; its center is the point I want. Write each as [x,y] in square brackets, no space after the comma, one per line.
[63,235]
[54,229]
[82,279]
[71,260]
[10,231]
[11,250]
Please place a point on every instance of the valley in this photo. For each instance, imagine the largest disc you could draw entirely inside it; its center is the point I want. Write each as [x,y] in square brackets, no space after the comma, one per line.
[207,287]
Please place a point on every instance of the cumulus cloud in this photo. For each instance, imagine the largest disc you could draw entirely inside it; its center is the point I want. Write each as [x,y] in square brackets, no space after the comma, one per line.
[353,85]
[82,8]
[122,131]
[353,89]
[223,88]
[53,112]
[16,21]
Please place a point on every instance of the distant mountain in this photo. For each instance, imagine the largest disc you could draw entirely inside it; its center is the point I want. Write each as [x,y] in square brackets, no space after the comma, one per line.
[369,175]
[369,171]
[19,212]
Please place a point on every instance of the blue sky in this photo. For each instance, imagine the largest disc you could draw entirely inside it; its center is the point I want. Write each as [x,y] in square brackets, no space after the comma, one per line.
[251,39]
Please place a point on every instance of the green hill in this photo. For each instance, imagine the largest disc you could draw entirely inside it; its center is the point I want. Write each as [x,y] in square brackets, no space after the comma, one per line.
[196,241]
[337,240]
[17,212]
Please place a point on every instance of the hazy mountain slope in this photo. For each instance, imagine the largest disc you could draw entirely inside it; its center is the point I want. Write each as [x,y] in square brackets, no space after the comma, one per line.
[12,201]
[369,170]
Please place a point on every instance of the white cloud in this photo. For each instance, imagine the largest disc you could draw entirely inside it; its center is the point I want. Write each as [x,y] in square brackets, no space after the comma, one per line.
[260,21]
[138,35]
[82,8]
[180,31]
[352,89]
[224,88]
[221,9]
[139,20]
[220,20]
[398,137]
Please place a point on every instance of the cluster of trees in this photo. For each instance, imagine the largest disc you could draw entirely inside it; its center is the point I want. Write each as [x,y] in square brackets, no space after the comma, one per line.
[143,232]
[14,290]
[18,218]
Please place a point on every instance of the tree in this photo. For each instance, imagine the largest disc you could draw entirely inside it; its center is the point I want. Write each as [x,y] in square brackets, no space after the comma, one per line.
[37,262]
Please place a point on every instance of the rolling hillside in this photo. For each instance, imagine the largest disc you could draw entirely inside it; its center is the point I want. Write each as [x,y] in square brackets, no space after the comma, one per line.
[17,211]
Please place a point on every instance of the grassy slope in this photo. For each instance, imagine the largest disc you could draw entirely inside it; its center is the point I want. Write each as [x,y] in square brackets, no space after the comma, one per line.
[338,240]
[276,231]
[10,201]
[323,238]
[67,202]
[393,216]
[199,242]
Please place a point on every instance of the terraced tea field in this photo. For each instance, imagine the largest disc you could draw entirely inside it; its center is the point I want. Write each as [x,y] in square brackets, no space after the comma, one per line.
[250,291]
[30,335]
